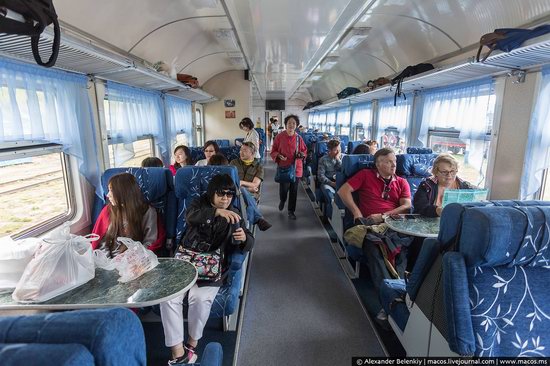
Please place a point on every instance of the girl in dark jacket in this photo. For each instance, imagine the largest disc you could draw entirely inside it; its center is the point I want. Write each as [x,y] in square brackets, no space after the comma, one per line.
[210,219]
[428,198]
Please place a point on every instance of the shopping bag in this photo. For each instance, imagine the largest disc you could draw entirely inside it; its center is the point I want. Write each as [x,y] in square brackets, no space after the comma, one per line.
[134,261]
[61,263]
[14,257]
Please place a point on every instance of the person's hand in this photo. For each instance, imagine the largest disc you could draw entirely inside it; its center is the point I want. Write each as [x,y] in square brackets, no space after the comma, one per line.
[438,210]
[229,215]
[300,155]
[239,234]
[332,184]
[281,157]
[377,218]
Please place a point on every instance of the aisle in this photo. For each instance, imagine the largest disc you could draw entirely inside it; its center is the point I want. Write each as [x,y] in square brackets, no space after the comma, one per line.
[301,309]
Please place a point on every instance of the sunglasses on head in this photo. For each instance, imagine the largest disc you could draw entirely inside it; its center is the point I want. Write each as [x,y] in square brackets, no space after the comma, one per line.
[386,192]
[221,193]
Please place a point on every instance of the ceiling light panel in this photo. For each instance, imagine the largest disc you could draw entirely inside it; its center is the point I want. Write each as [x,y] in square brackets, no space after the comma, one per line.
[329,62]
[226,37]
[354,37]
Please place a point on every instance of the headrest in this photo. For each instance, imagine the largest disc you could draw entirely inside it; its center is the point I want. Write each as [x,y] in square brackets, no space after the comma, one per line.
[192,181]
[223,143]
[352,145]
[321,148]
[494,236]
[419,150]
[152,181]
[418,165]
[197,153]
[351,164]
[231,152]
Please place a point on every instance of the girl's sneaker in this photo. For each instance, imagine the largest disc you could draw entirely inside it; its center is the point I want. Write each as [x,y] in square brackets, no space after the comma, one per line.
[190,356]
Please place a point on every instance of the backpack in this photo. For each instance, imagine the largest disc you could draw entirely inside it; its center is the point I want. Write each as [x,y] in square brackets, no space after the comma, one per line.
[41,12]
[408,72]
[347,92]
[506,39]
[189,80]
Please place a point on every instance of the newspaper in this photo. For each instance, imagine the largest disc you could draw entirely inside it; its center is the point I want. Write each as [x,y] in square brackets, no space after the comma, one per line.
[464,195]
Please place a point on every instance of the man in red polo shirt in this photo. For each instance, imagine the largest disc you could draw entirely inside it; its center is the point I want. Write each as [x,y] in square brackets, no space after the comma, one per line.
[381,192]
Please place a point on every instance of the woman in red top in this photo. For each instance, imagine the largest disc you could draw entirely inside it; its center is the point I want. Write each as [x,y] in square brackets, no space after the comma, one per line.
[182,157]
[284,153]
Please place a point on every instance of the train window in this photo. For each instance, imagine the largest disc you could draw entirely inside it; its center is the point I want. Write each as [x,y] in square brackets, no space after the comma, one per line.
[343,121]
[459,122]
[122,155]
[182,139]
[392,123]
[34,191]
[330,126]
[361,120]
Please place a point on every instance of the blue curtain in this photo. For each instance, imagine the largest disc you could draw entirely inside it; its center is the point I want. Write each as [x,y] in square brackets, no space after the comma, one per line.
[179,119]
[537,151]
[39,104]
[131,114]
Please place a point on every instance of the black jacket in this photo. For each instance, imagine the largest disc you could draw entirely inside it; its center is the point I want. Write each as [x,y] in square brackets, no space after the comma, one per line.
[426,195]
[215,229]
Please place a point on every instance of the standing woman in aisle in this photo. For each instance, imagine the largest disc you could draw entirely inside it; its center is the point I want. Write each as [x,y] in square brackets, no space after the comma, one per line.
[251,134]
[289,150]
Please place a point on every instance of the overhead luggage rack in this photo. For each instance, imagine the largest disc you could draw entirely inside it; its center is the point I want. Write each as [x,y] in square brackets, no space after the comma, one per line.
[533,53]
[83,55]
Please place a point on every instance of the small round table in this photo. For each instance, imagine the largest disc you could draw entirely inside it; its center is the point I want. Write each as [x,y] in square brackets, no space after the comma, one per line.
[415,225]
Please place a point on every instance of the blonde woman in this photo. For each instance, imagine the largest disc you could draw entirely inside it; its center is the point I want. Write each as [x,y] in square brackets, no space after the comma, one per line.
[428,198]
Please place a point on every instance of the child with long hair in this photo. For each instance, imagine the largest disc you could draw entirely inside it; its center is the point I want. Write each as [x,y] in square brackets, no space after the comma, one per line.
[128,215]
[182,157]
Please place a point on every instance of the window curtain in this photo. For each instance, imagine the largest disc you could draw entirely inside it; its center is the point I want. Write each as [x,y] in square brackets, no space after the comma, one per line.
[133,113]
[537,152]
[39,104]
[468,108]
[362,114]
[343,118]
[330,122]
[179,118]
[393,116]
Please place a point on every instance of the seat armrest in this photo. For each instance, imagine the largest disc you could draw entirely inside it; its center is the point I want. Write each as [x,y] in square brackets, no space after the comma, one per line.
[426,258]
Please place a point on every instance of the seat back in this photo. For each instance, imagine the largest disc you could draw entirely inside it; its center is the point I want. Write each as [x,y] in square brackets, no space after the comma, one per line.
[230,152]
[495,302]
[157,186]
[352,145]
[197,153]
[414,168]
[223,142]
[320,150]
[419,150]
[238,140]
[344,140]
[191,182]
[263,140]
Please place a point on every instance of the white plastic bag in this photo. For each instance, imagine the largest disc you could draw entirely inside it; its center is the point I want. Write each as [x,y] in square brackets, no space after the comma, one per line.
[14,257]
[134,261]
[62,262]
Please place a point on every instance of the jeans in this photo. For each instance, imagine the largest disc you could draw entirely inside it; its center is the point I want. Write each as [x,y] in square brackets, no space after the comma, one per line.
[252,210]
[328,195]
[284,188]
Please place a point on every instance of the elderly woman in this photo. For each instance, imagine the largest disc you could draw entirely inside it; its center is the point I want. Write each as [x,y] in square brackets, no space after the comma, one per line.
[251,134]
[428,198]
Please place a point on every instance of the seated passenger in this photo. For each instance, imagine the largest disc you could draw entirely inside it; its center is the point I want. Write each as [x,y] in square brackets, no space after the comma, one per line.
[152,162]
[218,159]
[373,146]
[251,175]
[127,214]
[210,148]
[428,198]
[381,193]
[182,157]
[329,165]
[326,137]
[209,218]
[361,149]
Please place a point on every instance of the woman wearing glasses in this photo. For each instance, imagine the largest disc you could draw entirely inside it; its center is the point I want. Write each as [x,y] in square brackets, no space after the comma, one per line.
[210,220]
[428,199]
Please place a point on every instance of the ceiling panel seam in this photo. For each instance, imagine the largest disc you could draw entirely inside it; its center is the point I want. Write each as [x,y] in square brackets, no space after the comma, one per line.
[201,57]
[172,22]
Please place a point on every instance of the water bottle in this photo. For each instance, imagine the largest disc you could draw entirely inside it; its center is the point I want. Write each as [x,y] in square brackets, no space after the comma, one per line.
[234,227]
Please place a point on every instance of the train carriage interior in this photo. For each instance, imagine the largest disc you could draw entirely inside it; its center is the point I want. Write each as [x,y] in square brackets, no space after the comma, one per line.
[304,182]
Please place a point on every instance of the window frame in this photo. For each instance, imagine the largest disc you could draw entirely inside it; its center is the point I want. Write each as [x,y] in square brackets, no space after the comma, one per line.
[111,141]
[22,149]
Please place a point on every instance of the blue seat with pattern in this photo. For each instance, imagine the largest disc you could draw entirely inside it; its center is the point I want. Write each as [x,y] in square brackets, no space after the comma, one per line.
[190,183]
[157,186]
[352,145]
[344,140]
[263,140]
[230,152]
[197,153]
[419,150]
[414,168]
[239,140]
[223,142]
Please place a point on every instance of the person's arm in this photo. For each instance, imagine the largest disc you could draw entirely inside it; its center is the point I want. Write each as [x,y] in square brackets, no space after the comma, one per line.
[422,203]
[252,186]
[245,236]
[149,227]
[345,193]
[404,207]
[321,170]
[275,149]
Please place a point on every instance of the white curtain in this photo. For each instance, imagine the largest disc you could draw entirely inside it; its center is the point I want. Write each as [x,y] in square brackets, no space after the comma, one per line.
[39,104]
[331,122]
[133,113]
[179,118]
[362,114]
[537,151]
[343,119]
[392,123]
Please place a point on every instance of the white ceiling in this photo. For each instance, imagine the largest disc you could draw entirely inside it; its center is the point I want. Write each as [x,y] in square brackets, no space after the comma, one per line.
[284,40]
